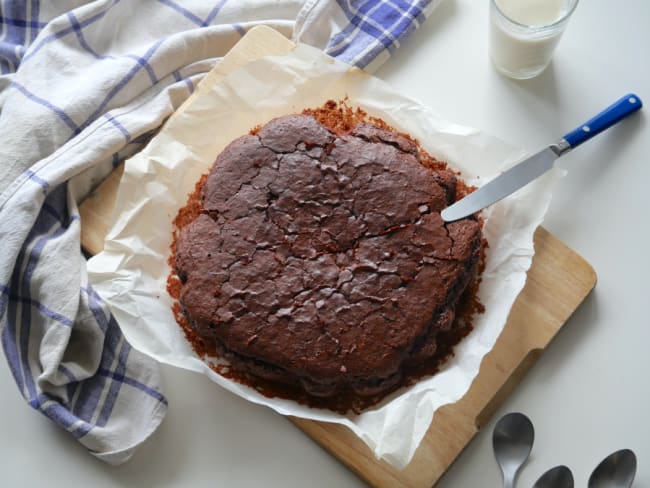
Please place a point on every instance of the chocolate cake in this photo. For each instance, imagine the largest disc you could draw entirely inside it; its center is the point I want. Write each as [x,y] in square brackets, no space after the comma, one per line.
[319,259]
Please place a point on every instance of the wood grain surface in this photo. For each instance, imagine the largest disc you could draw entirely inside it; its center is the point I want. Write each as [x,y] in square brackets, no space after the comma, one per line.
[558,281]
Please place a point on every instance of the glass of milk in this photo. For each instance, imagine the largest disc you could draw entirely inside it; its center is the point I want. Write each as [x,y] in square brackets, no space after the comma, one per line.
[524,33]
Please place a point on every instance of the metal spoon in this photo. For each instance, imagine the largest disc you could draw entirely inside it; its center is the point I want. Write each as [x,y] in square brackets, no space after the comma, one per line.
[557,477]
[512,440]
[615,471]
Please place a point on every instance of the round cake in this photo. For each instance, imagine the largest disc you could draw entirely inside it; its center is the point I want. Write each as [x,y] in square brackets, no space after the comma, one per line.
[319,259]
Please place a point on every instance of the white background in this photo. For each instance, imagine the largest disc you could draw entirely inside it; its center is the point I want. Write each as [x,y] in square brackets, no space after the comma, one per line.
[588,395]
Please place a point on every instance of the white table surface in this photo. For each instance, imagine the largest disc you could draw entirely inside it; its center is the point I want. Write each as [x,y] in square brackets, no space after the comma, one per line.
[588,395]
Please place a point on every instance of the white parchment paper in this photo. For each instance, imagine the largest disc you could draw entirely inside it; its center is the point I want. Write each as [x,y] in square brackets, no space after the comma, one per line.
[131,272]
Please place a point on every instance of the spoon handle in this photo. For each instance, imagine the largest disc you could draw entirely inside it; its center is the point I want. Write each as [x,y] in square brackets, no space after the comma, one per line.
[509,480]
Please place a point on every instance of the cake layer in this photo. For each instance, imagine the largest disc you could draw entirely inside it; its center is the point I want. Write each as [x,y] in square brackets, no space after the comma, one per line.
[321,259]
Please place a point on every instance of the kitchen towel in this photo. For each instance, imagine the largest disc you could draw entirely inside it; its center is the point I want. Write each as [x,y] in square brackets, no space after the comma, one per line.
[84,85]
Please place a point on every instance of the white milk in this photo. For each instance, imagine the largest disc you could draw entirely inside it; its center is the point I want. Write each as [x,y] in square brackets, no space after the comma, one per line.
[523,51]
[532,12]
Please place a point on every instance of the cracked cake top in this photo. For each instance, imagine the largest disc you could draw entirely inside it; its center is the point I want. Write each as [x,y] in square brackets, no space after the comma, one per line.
[321,259]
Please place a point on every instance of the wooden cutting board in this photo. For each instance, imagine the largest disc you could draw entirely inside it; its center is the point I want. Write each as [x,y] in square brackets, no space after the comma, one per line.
[558,281]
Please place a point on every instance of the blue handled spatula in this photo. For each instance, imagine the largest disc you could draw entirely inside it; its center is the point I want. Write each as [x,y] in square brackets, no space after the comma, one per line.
[530,168]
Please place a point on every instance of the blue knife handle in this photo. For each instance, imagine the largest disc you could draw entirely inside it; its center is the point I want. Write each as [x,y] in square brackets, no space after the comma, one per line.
[625,106]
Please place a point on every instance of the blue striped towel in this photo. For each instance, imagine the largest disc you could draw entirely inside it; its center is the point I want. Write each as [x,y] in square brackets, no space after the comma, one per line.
[83,86]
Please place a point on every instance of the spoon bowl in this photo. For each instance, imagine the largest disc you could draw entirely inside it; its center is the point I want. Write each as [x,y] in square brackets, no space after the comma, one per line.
[557,477]
[615,471]
[512,441]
